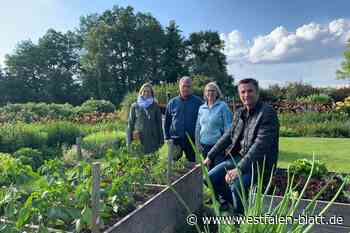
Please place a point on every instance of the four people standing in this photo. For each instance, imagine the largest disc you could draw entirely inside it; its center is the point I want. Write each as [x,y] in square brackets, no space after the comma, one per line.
[230,147]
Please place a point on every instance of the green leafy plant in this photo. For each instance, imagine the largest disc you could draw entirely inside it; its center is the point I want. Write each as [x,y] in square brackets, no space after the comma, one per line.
[29,156]
[303,167]
[92,105]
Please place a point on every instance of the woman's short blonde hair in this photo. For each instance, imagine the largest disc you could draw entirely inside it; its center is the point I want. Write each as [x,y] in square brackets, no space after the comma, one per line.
[217,88]
[149,85]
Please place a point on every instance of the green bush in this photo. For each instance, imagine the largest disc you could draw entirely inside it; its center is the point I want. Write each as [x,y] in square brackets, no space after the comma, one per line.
[61,132]
[288,132]
[16,136]
[29,156]
[303,167]
[331,129]
[87,129]
[100,142]
[92,105]
[30,112]
[339,94]
[291,119]
[314,124]
[13,172]
[315,99]
[298,89]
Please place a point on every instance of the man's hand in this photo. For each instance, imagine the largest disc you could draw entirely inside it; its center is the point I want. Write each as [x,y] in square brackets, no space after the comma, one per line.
[230,175]
[207,162]
[136,135]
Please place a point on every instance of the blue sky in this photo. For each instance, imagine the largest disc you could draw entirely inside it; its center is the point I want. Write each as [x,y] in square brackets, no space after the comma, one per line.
[274,41]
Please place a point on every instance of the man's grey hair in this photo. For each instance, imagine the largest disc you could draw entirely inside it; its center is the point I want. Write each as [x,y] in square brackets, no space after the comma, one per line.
[185,79]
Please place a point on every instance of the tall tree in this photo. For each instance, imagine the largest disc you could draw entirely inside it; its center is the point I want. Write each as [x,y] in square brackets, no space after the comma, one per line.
[123,50]
[174,54]
[344,72]
[45,71]
[205,57]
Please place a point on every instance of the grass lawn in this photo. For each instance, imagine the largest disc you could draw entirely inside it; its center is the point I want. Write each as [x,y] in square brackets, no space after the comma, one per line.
[335,152]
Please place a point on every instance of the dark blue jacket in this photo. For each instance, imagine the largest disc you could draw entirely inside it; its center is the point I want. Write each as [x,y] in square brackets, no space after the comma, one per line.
[181,116]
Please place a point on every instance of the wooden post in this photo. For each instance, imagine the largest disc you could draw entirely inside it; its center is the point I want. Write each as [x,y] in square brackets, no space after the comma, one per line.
[78,143]
[170,159]
[95,197]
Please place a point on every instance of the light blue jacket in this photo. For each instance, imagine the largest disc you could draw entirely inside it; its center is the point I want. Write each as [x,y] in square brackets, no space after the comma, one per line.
[212,122]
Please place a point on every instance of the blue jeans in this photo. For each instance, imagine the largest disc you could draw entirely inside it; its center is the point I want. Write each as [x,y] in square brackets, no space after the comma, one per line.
[230,193]
[218,158]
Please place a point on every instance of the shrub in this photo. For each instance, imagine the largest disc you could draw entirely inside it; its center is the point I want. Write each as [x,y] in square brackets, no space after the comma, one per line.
[339,94]
[61,132]
[288,132]
[29,156]
[331,129]
[303,167]
[30,112]
[15,136]
[92,105]
[298,89]
[315,99]
[12,171]
[100,142]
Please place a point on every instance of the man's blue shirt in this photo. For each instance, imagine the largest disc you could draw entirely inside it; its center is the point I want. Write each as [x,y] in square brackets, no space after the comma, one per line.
[181,117]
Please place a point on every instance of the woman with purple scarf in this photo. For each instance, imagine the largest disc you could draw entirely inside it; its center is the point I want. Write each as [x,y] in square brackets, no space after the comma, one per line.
[145,121]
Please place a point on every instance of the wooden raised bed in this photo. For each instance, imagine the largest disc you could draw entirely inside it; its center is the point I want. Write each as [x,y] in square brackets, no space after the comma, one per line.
[164,212]
[336,209]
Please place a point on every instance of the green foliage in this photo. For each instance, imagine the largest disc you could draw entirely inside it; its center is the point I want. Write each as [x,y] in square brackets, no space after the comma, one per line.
[13,172]
[43,72]
[315,99]
[314,124]
[98,143]
[298,89]
[207,59]
[344,72]
[61,132]
[303,167]
[92,105]
[288,132]
[15,136]
[34,112]
[338,94]
[173,60]
[29,156]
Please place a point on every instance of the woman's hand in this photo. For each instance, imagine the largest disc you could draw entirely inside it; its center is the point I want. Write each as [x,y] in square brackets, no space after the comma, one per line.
[207,162]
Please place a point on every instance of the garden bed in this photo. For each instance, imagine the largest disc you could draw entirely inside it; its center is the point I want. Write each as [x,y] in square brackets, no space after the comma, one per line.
[164,212]
[339,209]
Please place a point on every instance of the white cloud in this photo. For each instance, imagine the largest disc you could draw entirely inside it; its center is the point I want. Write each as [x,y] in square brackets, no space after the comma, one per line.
[309,42]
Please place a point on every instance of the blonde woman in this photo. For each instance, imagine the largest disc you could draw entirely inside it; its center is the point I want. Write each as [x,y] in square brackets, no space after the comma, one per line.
[214,118]
[145,121]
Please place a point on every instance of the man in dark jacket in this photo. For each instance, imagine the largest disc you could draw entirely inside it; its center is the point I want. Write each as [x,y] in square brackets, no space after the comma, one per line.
[181,116]
[252,139]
